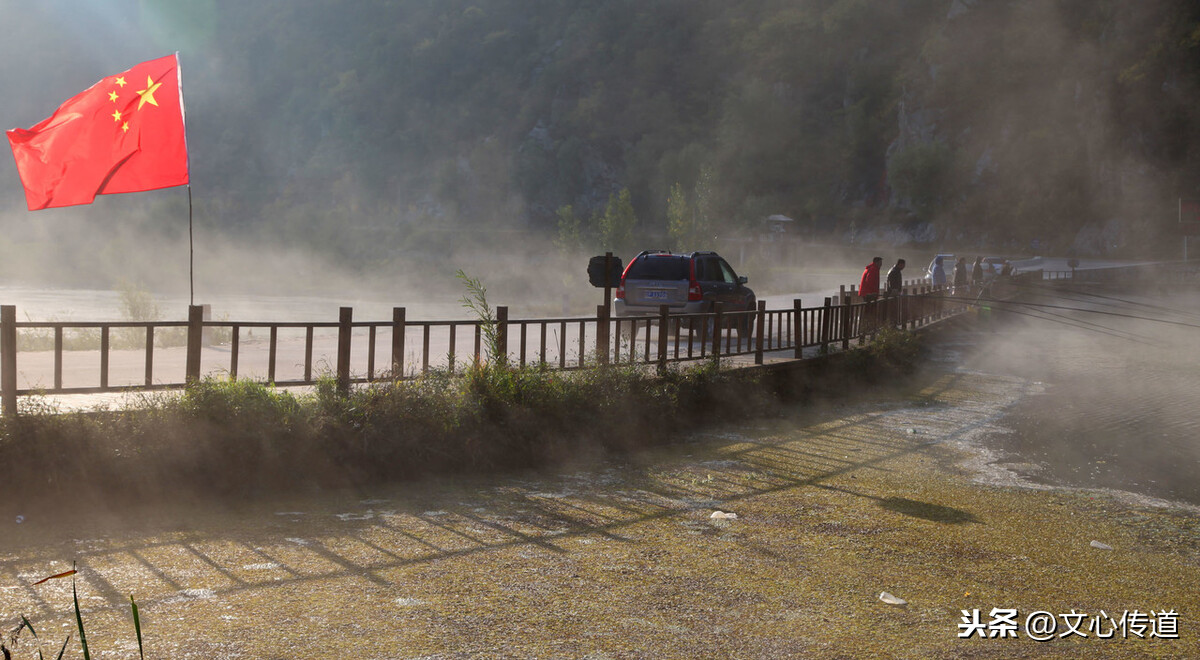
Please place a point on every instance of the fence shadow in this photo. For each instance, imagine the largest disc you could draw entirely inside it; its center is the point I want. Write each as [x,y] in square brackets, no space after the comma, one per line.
[325,538]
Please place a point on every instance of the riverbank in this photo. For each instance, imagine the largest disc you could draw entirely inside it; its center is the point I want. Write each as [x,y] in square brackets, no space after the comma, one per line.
[836,501]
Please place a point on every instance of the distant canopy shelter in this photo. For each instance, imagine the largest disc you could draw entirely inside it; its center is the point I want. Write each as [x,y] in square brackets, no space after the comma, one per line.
[779,224]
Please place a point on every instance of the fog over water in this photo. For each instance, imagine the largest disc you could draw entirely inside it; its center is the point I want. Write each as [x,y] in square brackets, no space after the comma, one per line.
[1121,406]
[291,221]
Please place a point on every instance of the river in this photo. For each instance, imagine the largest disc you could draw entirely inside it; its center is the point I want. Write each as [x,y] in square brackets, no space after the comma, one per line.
[1120,406]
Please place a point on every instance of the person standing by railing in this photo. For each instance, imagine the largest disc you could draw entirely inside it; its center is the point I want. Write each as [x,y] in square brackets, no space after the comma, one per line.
[868,286]
[895,279]
[977,273]
[937,274]
[961,277]
[895,288]
[868,290]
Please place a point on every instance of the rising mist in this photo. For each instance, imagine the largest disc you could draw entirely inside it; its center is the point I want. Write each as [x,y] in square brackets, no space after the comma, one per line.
[386,145]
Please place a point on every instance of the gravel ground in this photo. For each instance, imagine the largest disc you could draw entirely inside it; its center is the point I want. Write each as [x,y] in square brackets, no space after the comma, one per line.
[622,558]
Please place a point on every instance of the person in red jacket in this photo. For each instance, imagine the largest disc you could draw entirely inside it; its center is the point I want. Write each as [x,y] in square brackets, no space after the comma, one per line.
[868,287]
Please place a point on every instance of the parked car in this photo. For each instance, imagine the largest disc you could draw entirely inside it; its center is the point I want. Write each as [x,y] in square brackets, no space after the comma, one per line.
[689,283]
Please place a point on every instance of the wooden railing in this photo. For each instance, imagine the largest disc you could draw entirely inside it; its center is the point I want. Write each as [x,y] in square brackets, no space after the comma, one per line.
[370,351]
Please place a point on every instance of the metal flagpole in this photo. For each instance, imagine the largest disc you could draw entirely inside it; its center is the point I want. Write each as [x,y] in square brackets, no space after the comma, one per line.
[191,247]
[188,155]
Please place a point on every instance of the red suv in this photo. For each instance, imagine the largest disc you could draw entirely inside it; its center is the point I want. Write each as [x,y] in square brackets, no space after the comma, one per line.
[689,283]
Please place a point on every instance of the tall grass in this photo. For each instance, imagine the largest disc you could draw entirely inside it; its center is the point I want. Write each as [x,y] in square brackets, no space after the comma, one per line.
[476,302]
[14,638]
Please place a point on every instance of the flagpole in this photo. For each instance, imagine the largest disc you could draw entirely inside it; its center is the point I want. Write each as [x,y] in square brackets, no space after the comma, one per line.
[188,156]
[191,251]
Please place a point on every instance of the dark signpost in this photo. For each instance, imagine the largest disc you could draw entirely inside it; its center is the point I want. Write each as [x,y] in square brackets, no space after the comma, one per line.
[604,272]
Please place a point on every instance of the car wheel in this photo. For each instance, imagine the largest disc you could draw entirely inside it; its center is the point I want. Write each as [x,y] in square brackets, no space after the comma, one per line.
[745,328]
[704,328]
[746,322]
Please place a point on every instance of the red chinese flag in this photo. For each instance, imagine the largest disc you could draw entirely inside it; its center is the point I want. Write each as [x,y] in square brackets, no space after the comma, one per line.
[123,134]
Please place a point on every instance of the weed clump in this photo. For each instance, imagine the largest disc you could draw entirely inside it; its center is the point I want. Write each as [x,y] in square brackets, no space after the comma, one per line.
[892,352]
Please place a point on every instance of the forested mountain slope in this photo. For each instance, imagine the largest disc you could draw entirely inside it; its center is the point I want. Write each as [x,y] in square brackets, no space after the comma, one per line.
[358,125]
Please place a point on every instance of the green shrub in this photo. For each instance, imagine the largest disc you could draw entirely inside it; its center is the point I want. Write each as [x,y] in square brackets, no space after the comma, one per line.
[230,439]
[897,350]
[892,352]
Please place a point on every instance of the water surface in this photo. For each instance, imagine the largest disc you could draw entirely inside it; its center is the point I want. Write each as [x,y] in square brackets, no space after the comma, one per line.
[1121,402]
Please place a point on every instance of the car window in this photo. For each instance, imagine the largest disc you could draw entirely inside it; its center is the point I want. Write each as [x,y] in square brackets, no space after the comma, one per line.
[727,273]
[658,268]
[707,270]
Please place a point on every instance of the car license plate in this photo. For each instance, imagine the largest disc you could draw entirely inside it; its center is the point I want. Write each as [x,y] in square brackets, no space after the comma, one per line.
[656,295]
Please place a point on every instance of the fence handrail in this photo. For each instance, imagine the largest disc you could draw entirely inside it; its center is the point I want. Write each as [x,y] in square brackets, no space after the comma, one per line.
[101,324]
[578,341]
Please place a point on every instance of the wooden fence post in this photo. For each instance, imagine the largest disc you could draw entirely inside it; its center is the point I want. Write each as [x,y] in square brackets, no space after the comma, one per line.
[826,323]
[797,333]
[8,358]
[58,352]
[195,339]
[601,335]
[149,356]
[398,326]
[847,323]
[664,324]
[345,331]
[502,334]
[717,334]
[104,344]
[760,320]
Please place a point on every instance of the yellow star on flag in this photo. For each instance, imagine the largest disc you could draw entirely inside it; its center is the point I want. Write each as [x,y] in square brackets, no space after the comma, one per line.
[73,155]
[148,93]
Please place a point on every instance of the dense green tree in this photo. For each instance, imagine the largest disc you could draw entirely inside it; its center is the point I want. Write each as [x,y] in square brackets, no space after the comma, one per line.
[681,221]
[617,223]
[570,238]
[329,123]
